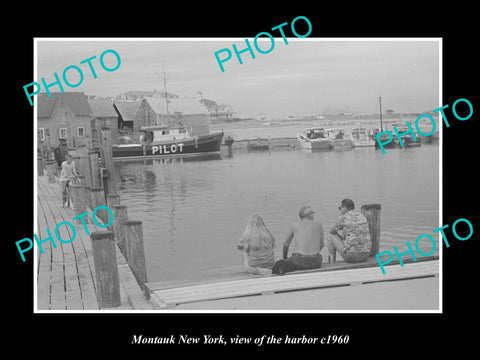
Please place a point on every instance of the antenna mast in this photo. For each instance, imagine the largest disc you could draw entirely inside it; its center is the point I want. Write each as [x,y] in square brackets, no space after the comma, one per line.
[381,123]
[165,87]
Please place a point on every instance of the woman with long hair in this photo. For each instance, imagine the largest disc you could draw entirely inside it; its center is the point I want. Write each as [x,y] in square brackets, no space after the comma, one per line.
[257,244]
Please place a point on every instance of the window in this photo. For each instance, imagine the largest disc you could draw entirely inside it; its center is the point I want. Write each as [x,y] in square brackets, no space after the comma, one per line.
[165,132]
[41,134]
[182,131]
[80,131]
[63,133]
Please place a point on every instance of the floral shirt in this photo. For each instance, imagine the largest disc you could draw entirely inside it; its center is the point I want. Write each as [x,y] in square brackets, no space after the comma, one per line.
[356,235]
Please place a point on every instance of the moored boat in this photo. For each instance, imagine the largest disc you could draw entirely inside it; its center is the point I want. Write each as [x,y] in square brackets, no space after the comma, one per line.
[337,139]
[406,136]
[258,144]
[313,139]
[161,141]
[360,138]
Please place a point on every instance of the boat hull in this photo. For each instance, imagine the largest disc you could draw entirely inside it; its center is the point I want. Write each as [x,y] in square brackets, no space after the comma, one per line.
[258,145]
[363,143]
[306,144]
[341,144]
[407,142]
[194,146]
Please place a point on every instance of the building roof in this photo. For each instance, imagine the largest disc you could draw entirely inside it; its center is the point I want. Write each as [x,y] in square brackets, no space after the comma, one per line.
[76,101]
[183,105]
[102,108]
[141,94]
[127,109]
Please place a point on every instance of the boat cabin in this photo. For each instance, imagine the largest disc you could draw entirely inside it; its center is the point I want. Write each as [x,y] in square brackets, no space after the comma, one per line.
[335,134]
[315,133]
[360,134]
[160,134]
[372,133]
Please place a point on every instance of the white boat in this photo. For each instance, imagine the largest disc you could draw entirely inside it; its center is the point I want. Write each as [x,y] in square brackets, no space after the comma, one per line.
[313,139]
[337,139]
[360,138]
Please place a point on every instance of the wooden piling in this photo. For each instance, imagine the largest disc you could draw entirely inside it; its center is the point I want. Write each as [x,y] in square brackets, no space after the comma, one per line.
[87,198]
[39,166]
[372,213]
[106,269]
[51,166]
[94,168]
[136,252]
[98,198]
[86,201]
[83,168]
[84,192]
[113,199]
[119,216]
[104,174]
[78,201]
[106,146]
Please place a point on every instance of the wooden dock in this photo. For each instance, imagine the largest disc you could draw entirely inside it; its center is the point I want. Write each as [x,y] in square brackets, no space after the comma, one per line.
[78,276]
[66,274]
[341,275]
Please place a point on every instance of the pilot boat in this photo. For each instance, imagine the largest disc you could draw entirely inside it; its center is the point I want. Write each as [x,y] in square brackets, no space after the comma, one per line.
[161,141]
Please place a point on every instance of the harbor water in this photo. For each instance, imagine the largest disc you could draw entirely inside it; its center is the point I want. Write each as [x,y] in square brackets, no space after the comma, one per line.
[195,209]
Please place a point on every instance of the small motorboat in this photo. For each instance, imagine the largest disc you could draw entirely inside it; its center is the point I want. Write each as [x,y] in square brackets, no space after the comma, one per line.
[258,144]
[313,139]
[337,139]
[361,138]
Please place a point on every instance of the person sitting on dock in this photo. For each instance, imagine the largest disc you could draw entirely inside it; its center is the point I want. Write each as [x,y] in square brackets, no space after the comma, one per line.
[350,235]
[68,173]
[308,242]
[257,244]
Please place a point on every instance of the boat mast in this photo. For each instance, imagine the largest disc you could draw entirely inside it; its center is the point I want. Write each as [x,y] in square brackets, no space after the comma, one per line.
[381,123]
[165,89]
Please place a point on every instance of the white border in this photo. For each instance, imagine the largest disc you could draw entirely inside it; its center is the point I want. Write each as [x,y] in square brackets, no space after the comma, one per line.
[110,311]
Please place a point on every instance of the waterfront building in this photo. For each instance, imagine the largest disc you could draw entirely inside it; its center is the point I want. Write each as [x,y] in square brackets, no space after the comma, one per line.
[176,112]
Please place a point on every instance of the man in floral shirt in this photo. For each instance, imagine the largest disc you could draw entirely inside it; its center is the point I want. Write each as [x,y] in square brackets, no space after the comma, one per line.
[350,235]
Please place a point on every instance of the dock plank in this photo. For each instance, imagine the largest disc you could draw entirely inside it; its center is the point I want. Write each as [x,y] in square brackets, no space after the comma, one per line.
[239,273]
[66,274]
[86,274]
[229,289]
[44,266]
[57,274]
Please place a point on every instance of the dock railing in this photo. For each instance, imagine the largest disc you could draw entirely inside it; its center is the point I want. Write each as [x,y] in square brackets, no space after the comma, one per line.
[97,188]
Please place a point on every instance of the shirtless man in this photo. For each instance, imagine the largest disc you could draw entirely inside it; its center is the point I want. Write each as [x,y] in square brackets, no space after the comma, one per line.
[308,242]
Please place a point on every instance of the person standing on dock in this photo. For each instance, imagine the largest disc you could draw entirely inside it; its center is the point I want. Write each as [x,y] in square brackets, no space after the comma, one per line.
[68,173]
[308,238]
[350,235]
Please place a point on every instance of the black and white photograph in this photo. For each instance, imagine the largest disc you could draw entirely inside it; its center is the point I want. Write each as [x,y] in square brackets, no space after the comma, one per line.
[298,180]
[292,179]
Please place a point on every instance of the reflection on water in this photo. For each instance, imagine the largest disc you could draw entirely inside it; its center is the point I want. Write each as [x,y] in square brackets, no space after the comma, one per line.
[195,209]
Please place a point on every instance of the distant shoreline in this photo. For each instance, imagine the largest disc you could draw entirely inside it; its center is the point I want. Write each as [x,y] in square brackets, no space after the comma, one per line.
[370,121]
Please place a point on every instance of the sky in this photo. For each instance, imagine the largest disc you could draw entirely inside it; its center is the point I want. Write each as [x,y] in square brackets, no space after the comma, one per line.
[307,76]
